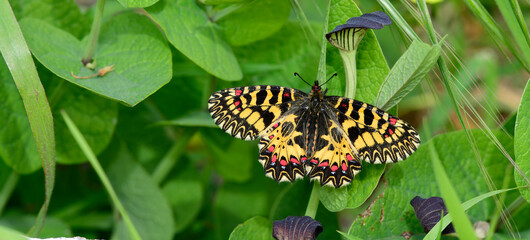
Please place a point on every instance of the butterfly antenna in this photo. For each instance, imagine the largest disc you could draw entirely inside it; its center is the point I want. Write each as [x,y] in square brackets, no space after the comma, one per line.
[334,75]
[298,75]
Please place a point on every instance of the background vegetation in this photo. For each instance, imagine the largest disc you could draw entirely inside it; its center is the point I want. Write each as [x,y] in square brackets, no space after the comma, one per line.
[134,154]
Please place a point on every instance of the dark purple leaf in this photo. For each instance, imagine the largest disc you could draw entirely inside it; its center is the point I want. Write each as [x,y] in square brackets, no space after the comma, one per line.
[294,228]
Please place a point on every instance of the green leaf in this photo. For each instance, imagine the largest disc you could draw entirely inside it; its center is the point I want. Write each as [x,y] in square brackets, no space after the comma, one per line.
[142,199]
[522,144]
[408,71]
[215,2]
[130,42]
[188,29]
[95,117]
[17,56]
[371,64]
[63,14]
[333,199]
[364,184]
[293,52]
[137,3]
[11,234]
[391,214]
[17,145]
[186,199]
[254,21]
[234,159]
[193,119]
[254,228]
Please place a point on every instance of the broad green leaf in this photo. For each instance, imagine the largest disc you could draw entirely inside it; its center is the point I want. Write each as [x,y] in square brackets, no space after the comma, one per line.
[234,159]
[186,199]
[64,14]
[293,52]
[53,226]
[15,51]
[95,117]
[130,42]
[371,64]
[408,71]
[364,184]
[142,199]
[333,199]
[11,234]
[215,2]
[137,3]
[254,228]
[522,143]
[254,21]
[17,145]
[391,213]
[193,119]
[188,28]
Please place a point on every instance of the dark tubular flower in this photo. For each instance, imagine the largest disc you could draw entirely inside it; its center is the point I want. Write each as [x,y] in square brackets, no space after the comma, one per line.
[346,38]
[294,228]
[429,212]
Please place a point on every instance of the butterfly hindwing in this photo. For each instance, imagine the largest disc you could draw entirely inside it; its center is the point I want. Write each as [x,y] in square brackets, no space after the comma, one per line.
[282,150]
[377,136]
[334,162]
[244,112]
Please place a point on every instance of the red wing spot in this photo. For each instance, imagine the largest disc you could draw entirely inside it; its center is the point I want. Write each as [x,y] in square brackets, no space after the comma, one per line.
[294,160]
[271,148]
[349,157]
[344,105]
[392,121]
[324,164]
[275,125]
[386,135]
[390,131]
[274,158]
[344,166]
[239,108]
[286,94]
[237,103]
[334,168]
[271,137]
[303,159]
[238,92]
[314,161]
[283,162]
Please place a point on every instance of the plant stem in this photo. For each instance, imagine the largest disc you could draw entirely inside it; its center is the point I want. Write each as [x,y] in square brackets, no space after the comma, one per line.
[350,70]
[94,33]
[314,200]
[81,141]
[7,190]
[171,157]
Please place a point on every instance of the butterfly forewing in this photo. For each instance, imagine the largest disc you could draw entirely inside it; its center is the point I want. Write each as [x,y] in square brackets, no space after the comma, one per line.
[377,136]
[244,112]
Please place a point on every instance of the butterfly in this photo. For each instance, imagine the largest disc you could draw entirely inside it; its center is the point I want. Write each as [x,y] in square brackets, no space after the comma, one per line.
[323,137]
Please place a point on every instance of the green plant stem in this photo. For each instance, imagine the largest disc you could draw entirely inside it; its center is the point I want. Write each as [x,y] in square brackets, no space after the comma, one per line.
[170,159]
[81,141]
[7,190]
[350,71]
[314,200]
[94,33]
[508,174]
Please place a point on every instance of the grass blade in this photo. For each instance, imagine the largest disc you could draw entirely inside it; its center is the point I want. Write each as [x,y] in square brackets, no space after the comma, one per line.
[18,58]
[101,174]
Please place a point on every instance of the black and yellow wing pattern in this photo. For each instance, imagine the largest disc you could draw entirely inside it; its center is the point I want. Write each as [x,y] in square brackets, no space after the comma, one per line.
[323,137]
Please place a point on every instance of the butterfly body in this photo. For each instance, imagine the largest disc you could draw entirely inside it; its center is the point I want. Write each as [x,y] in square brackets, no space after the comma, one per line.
[323,137]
